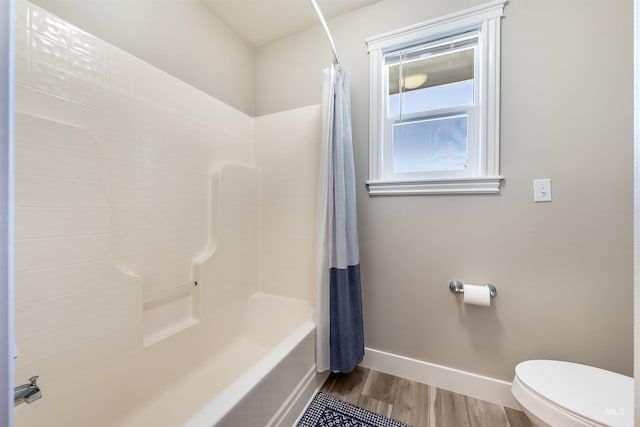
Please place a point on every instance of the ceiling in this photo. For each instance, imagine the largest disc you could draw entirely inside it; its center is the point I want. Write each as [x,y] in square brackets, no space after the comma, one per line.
[262,21]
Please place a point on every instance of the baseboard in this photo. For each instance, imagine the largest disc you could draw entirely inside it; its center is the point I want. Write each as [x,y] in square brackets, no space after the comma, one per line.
[467,383]
[293,408]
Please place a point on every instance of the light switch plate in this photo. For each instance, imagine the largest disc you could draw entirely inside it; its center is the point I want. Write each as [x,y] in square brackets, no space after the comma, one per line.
[541,190]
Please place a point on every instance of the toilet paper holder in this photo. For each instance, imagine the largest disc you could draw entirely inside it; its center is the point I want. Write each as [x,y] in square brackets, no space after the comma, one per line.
[458,288]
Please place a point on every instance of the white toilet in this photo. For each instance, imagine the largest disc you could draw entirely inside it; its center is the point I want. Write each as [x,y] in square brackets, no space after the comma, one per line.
[559,394]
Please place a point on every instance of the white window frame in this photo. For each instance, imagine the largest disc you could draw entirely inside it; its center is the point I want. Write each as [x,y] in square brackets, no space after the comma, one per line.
[485,19]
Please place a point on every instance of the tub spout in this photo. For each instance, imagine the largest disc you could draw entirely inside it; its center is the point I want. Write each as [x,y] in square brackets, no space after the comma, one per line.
[27,393]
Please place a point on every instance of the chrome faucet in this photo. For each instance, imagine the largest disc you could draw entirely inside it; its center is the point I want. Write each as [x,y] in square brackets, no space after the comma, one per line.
[27,393]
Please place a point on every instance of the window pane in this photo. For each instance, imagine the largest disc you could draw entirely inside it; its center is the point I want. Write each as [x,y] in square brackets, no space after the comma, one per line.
[438,81]
[432,98]
[430,145]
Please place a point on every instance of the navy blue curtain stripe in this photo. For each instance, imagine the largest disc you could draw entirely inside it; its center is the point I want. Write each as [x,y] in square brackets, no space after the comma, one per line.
[346,331]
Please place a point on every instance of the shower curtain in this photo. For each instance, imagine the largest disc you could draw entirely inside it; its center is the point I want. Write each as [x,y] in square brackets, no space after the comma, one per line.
[340,339]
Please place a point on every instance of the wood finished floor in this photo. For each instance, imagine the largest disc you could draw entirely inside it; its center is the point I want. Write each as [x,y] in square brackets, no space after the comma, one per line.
[416,404]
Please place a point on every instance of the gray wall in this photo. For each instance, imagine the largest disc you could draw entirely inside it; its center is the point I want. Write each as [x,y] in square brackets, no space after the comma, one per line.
[183,38]
[564,270]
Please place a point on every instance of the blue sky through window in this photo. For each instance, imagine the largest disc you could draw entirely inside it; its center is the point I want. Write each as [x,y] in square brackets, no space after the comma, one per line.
[430,145]
[432,98]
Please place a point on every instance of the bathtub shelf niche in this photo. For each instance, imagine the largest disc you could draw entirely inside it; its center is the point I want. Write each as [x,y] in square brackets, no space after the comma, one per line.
[169,312]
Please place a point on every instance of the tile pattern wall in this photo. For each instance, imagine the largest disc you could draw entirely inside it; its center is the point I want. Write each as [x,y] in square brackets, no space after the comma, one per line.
[114,164]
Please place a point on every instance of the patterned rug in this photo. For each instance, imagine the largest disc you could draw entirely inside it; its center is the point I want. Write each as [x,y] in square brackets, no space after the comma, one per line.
[326,411]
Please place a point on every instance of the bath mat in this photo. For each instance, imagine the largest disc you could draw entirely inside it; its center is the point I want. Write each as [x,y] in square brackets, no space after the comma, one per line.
[327,411]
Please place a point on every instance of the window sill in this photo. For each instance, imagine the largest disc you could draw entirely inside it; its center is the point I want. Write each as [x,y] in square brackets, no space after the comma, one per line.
[472,185]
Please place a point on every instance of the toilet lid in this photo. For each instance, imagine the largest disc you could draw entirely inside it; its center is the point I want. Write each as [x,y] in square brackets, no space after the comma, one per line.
[601,396]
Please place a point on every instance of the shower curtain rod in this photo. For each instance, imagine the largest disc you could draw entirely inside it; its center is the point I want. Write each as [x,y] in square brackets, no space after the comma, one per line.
[326,31]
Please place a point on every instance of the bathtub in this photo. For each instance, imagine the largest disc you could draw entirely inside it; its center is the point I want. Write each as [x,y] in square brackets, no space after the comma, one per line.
[265,377]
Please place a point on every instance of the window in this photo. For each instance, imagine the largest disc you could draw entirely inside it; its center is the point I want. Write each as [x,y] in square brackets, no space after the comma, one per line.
[435,98]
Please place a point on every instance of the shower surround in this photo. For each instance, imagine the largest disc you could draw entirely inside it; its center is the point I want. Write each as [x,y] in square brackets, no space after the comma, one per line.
[164,240]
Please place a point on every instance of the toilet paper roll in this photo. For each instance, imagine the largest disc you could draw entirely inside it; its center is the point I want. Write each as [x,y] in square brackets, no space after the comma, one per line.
[477,295]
